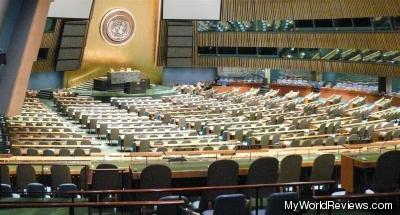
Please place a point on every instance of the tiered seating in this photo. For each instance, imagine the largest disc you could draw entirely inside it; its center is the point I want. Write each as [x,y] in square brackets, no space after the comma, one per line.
[39,131]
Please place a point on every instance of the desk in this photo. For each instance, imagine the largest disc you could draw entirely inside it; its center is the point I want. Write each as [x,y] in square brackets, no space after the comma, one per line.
[350,166]
[284,89]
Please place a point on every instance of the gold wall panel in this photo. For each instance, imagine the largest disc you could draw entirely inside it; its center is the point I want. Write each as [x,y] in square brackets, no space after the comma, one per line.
[308,65]
[376,41]
[50,40]
[307,9]
[139,53]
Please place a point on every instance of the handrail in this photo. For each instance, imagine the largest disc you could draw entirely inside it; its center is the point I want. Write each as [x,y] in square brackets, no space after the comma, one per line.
[87,204]
[357,196]
[196,189]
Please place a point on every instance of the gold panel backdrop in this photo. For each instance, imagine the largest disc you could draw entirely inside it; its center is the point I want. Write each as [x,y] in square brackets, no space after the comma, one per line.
[139,53]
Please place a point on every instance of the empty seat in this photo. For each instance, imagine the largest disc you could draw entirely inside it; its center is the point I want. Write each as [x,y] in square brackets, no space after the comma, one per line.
[232,204]
[15,151]
[276,204]
[60,174]
[64,188]
[219,173]
[153,177]
[25,174]
[4,175]
[6,191]
[290,169]
[79,152]
[64,152]
[386,173]
[94,150]
[32,152]
[323,167]
[35,190]
[128,142]
[48,152]
[262,171]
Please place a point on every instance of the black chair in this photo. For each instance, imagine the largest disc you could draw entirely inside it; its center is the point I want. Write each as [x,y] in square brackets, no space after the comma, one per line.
[106,166]
[25,174]
[290,169]
[5,175]
[35,190]
[106,177]
[232,204]
[48,152]
[32,152]
[83,177]
[16,151]
[6,191]
[171,209]
[64,188]
[220,173]
[387,172]
[262,171]
[64,152]
[79,152]
[276,204]
[323,167]
[60,174]
[154,176]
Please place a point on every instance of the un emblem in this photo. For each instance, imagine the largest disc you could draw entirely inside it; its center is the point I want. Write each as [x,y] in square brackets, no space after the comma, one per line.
[117,27]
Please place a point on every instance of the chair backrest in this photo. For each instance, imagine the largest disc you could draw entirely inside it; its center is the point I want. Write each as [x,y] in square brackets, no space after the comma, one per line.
[25,174]
[354,138]
[276,138]
[84,174]
[208,148]
[72,142]
[341,140]
[239,135]
[64,152]
[387,172]
[290,169]
[306,143]
[154,176]
[95,150]
[48,152]
[106,177]
[79,152]
[32,152]
[276,203]
[223,147]
[318,142]
[233,204]
[128,140]
[264,142]
[144,146]
[60,174]
[15,151]
[106,166]
[330,141]
[4,175]
[221,172]
[262,171]
[323,166]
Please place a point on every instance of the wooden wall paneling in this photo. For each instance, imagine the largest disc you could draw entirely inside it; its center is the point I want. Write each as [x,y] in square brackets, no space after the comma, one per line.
[307,9]
[322,66]
[50,41]
[162,44]
[377,41]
